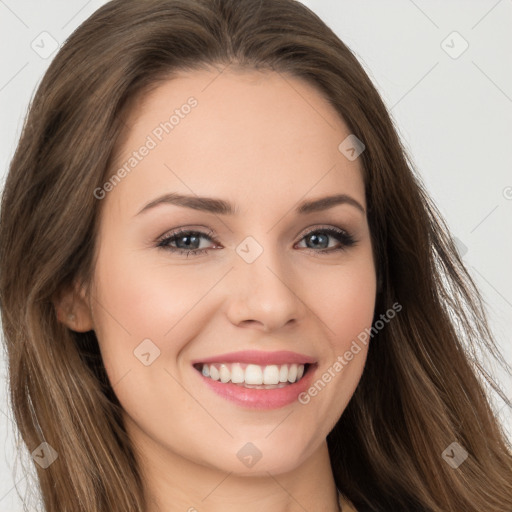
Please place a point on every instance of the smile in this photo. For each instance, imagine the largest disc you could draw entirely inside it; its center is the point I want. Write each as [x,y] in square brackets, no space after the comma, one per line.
[256,379]
[253,375]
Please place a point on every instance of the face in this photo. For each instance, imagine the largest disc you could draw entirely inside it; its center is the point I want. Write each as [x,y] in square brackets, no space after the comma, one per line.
[260,292]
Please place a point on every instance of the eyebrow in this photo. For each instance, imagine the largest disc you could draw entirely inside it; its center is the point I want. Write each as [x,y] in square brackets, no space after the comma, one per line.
[222,207]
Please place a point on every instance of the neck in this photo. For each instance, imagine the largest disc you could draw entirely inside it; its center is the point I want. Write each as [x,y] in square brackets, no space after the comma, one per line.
[174,483]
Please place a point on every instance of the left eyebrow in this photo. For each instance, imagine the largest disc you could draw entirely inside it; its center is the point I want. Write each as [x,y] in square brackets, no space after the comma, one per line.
[222,207]
[327,202]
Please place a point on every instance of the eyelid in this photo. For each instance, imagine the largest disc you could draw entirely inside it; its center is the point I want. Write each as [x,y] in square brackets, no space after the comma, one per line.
[344,238]
[322,227]
[347,241]
[203,231]
[210,233]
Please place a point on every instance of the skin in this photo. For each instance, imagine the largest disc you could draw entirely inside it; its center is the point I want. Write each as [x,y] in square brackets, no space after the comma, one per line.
[264,141]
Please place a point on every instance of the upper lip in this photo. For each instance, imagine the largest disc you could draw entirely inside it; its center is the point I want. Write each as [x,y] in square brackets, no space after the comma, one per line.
[258,357]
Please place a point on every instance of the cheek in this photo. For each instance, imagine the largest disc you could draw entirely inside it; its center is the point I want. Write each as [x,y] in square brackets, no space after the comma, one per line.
[145,298]
[346,311]
[141,299]
[142,321]
[344,299]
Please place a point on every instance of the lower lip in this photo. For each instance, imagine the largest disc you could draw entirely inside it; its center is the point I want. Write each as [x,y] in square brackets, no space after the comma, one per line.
[260,398]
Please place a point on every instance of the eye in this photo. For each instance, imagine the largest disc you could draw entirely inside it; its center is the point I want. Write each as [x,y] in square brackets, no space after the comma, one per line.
[187,242]
[319,238]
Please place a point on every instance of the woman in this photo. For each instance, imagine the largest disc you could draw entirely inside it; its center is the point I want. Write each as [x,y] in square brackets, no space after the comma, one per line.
[223,286]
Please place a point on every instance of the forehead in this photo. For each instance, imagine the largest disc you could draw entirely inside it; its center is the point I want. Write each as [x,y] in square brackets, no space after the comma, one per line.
[247,136]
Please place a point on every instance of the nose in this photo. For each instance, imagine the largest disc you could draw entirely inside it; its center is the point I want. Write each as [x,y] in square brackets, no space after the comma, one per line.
[263,294]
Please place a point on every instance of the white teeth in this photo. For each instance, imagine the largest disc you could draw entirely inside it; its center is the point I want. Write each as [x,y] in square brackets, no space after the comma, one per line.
[292,373]
[271,374]
[225,374]
[237,373]
[253,374]
[214,373]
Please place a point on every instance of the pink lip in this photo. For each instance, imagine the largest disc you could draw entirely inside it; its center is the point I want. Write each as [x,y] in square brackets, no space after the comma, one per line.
[258,357]
[252,398]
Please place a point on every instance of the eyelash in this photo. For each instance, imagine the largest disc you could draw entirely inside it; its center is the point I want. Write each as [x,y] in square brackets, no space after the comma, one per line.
[342,236]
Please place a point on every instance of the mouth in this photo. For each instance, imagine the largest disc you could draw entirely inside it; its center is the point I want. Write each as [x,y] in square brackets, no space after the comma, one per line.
[256,379]
[254,376]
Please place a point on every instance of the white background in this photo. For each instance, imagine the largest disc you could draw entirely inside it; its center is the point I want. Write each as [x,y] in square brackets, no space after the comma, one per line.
[453,114]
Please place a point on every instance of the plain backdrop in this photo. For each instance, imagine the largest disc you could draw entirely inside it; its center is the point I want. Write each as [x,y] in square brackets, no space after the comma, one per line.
[444,70]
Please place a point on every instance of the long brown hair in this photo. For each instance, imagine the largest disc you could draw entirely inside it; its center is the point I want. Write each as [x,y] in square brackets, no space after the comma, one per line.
[421,388]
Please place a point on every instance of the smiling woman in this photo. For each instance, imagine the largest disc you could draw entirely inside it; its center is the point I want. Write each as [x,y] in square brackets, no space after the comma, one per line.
[263,312]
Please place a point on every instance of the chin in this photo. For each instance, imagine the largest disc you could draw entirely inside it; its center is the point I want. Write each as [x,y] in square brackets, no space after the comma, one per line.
[247,460]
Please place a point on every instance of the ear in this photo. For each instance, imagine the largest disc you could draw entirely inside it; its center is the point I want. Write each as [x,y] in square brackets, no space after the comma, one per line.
[73,309]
